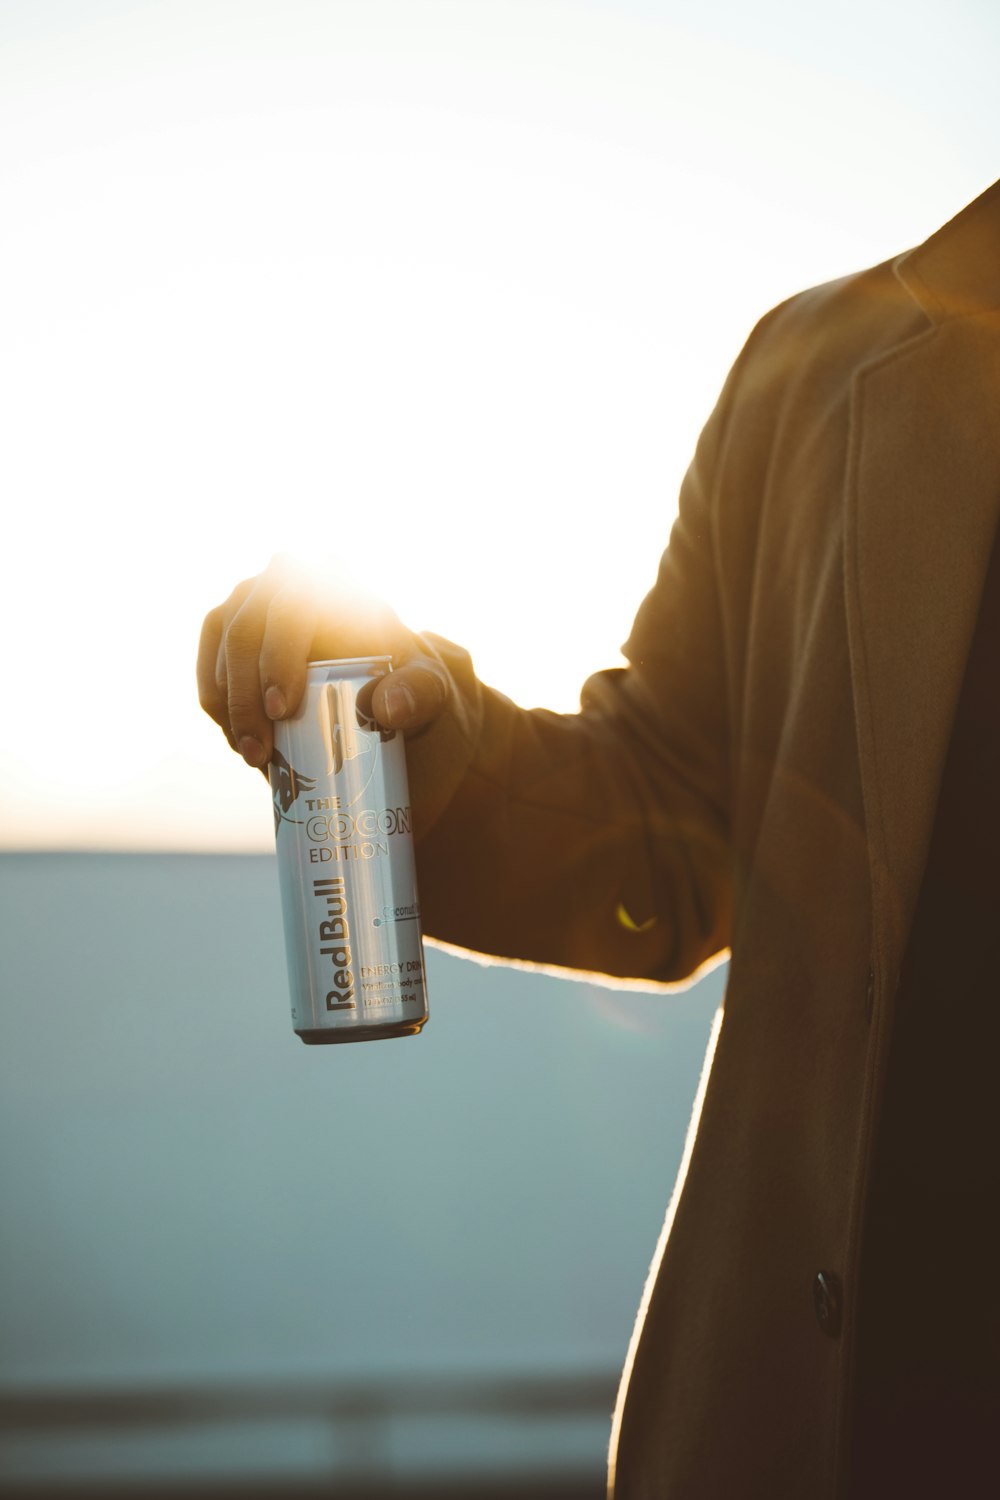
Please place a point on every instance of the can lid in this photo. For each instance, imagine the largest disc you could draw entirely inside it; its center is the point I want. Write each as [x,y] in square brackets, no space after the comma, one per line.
[348,665]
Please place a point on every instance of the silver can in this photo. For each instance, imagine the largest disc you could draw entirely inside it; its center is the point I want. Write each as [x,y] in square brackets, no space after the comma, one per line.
[345,862]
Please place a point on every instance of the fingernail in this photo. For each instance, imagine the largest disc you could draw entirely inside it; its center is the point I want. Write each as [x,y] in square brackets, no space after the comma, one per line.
[274,703]
[252,750]
[400,704]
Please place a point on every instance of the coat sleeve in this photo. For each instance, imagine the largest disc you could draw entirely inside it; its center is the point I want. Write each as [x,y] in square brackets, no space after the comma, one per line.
[598,840]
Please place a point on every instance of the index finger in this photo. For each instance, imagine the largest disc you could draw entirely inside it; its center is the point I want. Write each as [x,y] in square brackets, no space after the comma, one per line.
[289,632]
[277,619]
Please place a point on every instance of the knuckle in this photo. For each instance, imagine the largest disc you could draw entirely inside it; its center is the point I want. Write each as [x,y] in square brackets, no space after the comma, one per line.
[239,595]
[214,620]
[244,709]
[239,632]
[429,679]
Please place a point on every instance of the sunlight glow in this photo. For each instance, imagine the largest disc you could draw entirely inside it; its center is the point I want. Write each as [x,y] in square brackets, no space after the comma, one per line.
[443,291]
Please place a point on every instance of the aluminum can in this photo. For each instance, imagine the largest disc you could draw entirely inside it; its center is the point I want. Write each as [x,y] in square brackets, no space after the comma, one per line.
[345,862]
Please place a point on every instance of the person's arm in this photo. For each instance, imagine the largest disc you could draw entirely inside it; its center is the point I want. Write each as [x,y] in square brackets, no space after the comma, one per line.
[595,841]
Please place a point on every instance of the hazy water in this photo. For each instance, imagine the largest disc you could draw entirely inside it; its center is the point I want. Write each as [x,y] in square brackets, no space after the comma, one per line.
[189,1192]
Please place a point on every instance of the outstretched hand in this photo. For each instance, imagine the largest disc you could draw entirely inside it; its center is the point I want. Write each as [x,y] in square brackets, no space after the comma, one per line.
[256,646]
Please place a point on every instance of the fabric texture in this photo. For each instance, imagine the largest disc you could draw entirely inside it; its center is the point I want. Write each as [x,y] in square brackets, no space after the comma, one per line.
[928,1378]
[760,779]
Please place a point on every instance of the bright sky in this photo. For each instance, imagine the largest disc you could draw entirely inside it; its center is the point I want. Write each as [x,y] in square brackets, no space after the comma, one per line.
[447,287]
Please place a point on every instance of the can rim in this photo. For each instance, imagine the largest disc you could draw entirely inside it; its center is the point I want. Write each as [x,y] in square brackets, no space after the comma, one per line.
[349,661]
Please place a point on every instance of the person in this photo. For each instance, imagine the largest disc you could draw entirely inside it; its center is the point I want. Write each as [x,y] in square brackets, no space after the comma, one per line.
[799,763]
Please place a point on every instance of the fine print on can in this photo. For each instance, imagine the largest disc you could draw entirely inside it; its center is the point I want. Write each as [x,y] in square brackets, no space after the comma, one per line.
[345,862]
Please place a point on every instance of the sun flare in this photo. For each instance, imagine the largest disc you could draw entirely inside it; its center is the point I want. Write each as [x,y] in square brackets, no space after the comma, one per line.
[444,302]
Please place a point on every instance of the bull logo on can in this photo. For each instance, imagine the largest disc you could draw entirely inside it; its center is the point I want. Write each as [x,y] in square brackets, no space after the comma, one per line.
[287,785]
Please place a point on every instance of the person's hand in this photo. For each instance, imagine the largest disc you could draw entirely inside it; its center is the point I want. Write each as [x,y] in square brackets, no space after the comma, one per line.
[255,648]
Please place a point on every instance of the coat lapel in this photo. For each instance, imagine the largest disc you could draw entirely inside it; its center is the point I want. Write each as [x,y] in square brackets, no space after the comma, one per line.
[922,504]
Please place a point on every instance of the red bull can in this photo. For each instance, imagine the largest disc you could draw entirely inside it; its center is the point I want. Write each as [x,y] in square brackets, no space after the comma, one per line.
[345,862]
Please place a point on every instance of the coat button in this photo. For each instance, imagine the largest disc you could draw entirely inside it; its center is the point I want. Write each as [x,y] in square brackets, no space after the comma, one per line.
[828,1302]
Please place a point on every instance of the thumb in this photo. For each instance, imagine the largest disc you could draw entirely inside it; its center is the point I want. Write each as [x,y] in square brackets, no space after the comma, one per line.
[412,696]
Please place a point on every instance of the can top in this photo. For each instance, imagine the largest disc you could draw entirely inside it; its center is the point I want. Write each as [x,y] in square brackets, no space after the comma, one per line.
[348,665]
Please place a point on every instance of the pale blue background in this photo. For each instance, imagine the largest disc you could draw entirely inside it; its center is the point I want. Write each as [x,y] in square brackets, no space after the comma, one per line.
[192,1196]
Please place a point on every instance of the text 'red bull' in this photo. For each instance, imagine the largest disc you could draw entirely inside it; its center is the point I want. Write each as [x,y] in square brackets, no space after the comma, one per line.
[346,866]
[336,932]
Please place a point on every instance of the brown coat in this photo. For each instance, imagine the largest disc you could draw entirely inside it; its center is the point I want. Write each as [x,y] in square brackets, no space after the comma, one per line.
[762,776]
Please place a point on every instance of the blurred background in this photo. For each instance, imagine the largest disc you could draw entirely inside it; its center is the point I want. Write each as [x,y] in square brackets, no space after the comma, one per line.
[232,1261]
[442,289]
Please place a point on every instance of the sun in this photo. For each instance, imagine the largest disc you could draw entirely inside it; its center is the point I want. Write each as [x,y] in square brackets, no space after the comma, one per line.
[450,318]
